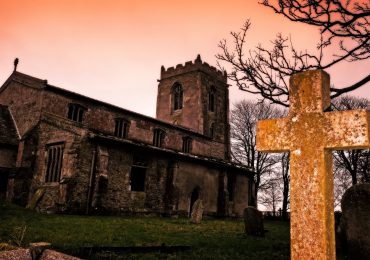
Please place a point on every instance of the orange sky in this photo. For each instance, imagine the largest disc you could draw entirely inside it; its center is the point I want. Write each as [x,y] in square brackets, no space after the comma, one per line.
[112,50]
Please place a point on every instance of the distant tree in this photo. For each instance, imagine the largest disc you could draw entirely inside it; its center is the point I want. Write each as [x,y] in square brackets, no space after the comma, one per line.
[342,182]
[243,122]
[343,25]
[350,166]
[271,197]
[285,180]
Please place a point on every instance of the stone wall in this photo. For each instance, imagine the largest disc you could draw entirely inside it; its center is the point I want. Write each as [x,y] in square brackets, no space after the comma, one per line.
[196,80]
[8,156]
[102,119]
[24,99]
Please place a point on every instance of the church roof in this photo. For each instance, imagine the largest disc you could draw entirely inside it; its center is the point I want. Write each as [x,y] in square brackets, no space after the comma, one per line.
[8,132]
[37,83]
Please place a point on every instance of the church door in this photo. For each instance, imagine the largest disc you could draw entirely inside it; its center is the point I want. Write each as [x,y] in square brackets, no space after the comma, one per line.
[193,198]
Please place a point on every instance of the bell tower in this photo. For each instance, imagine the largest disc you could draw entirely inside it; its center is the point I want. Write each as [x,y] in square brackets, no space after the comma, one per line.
[195,96]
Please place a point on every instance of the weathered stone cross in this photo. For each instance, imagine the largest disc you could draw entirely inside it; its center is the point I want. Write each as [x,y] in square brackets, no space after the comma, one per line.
[310,134]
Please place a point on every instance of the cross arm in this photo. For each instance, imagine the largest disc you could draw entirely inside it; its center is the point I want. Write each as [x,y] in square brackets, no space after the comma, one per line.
[348,129]
[273,135]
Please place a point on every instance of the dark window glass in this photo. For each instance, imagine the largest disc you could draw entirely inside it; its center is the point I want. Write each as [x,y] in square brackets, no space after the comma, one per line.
[138,174]
[3,182]
[75,112]
[177,97]
[211,99]
[186,144]
[54,162]
[231,179]
[158,137]
[212,130]
[121,128]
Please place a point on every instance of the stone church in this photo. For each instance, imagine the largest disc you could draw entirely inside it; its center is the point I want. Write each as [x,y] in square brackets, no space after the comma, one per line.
[64,152]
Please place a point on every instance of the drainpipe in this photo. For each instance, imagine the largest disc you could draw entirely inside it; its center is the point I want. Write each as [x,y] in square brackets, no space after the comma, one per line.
[91,180]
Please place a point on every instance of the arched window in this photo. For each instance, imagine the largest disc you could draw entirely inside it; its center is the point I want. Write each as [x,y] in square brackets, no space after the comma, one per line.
[177,97]
[211,99]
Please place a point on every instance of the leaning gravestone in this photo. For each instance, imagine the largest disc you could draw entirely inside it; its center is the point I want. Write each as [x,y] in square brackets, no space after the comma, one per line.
[35,198]
[253,222]
[197,212]
[355,221]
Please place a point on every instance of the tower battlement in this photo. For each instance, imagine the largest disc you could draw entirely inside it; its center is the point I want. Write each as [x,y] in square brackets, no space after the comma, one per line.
[190,66]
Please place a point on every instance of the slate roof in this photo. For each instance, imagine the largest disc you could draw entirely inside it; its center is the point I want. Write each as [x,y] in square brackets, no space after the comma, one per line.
[8,132]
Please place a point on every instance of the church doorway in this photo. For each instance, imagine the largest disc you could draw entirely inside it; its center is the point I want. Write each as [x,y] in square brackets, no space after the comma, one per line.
[193,198]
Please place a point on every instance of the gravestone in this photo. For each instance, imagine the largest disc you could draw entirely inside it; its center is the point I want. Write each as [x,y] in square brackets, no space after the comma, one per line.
[197,212]
[310,134]
[253,222]
[355,221]
[35,198]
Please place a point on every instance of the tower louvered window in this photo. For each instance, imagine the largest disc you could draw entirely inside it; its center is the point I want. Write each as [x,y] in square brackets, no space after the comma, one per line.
[211,99]
[177,97]
[54,162]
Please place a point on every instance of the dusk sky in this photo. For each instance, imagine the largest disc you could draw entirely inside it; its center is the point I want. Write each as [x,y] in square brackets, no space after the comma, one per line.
[112,50]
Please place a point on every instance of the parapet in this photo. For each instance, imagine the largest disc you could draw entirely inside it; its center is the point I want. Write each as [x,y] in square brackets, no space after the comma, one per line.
[190,66]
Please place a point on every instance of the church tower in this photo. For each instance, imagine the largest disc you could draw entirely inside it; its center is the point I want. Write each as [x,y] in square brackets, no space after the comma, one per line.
[196,96]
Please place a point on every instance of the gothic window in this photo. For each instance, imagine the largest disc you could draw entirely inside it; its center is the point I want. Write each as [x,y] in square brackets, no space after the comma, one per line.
[158,137]
[186,144]
[75,112]
[212,130]
[121,128]
[54,162]
[177,96]
[138,174]
[211,99]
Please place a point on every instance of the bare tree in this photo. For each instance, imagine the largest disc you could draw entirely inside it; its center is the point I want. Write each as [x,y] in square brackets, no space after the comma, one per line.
[243,122]
[352,162]
[271,197]
[285,179]
[342,182]
[265,72]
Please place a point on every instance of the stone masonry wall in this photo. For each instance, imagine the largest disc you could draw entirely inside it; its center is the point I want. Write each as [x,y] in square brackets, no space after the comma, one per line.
[190,176]
[8,156]
[71,192]
[196,79]
[24,103]
[102,118]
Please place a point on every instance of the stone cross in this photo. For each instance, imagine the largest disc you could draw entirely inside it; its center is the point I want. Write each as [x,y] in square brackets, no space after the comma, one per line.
[311,134]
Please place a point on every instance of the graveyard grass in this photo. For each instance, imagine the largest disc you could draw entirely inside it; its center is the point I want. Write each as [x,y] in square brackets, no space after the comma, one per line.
[212,239]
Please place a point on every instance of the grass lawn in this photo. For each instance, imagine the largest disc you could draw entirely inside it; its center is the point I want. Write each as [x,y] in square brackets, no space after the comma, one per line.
[212,239]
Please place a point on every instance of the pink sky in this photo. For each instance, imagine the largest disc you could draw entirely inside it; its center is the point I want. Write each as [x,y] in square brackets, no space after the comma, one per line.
[113,50]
